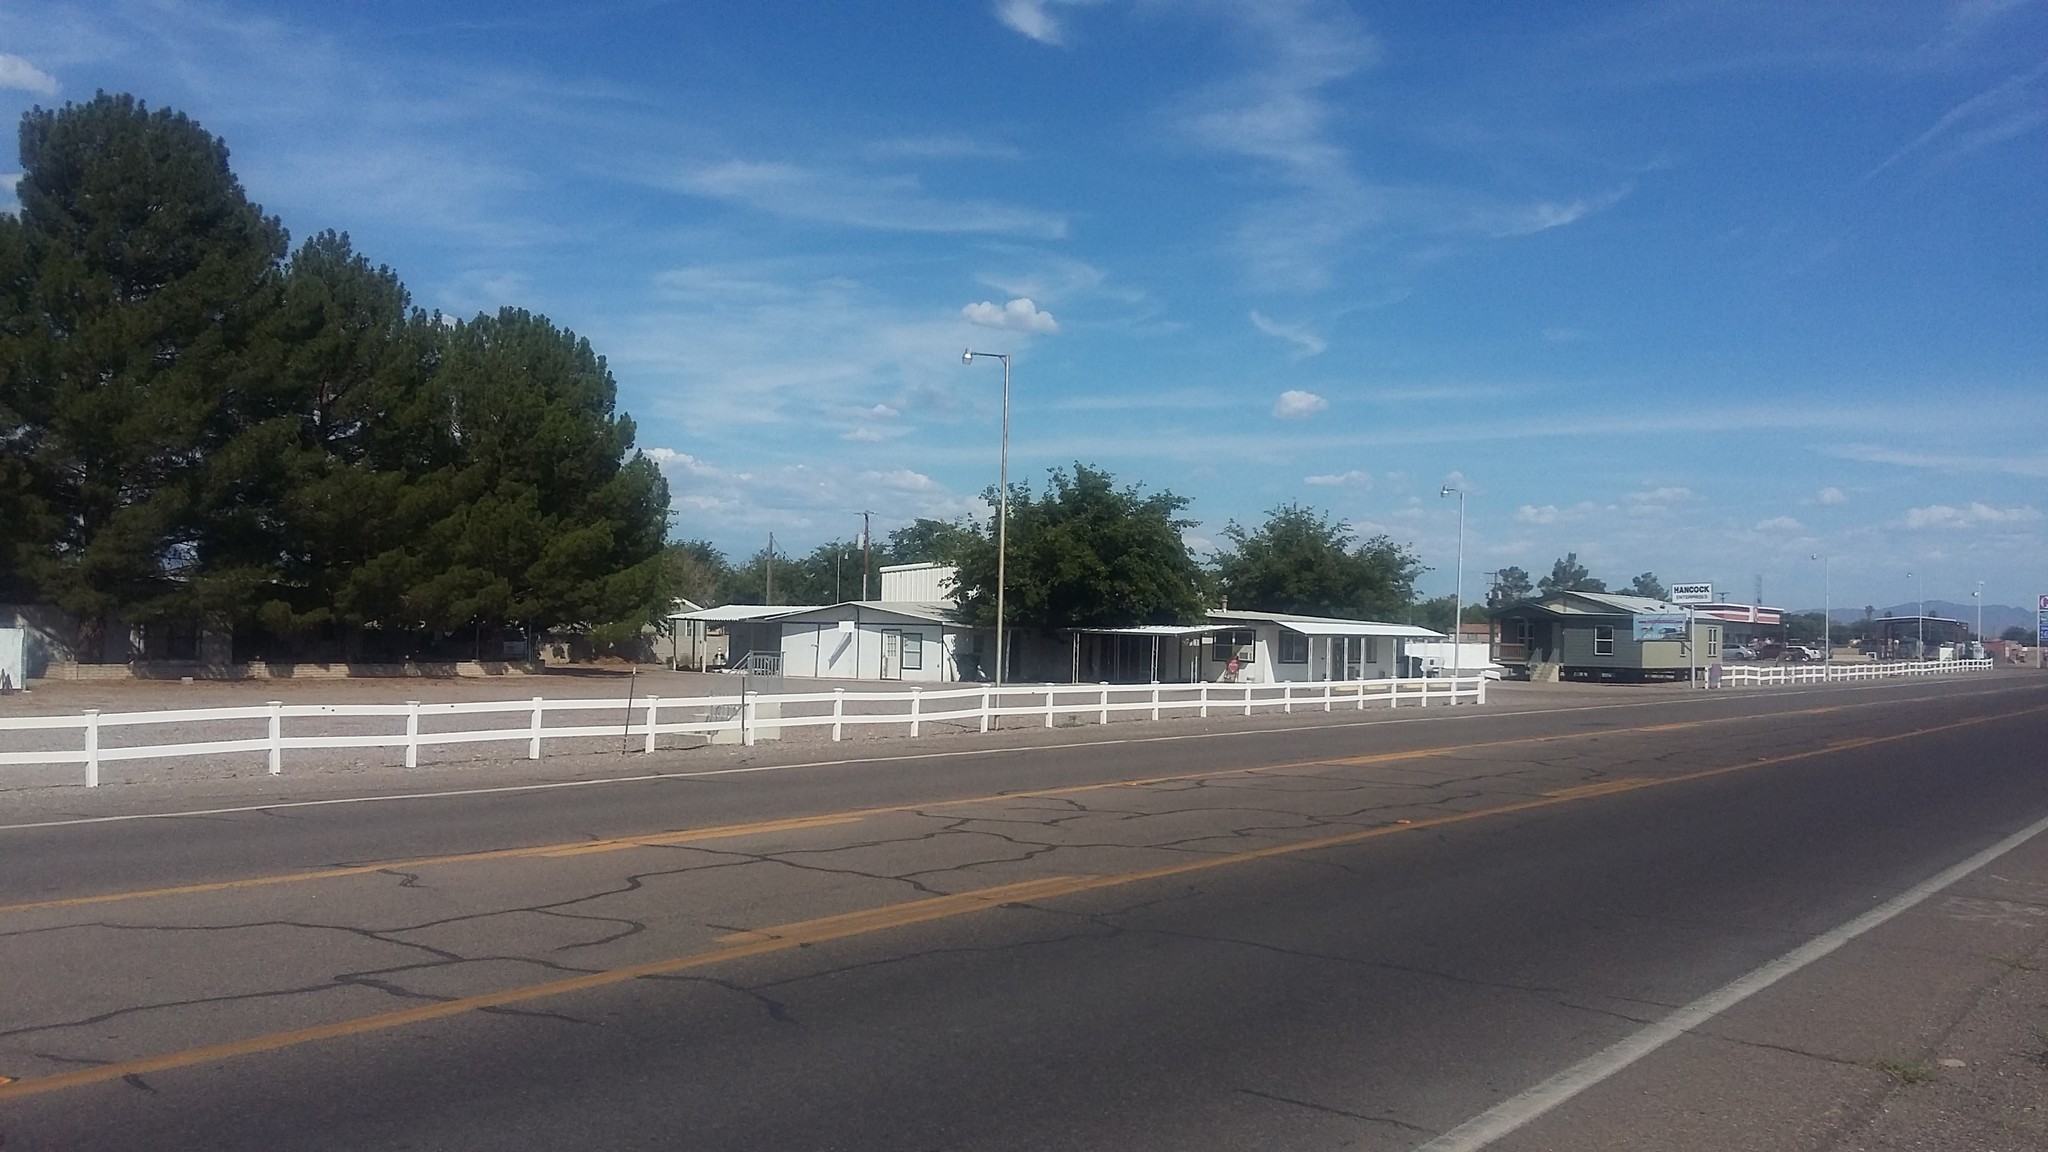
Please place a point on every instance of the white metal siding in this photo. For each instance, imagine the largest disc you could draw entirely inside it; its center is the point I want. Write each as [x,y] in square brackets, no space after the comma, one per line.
[918,583]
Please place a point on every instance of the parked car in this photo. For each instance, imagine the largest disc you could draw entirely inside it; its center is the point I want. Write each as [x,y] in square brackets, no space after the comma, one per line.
[1799,653]
[1737,652]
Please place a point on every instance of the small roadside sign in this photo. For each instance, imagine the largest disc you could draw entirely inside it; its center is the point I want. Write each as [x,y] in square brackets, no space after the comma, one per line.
[1703,594]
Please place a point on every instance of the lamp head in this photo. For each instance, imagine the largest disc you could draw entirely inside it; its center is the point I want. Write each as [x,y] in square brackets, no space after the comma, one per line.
[967,357]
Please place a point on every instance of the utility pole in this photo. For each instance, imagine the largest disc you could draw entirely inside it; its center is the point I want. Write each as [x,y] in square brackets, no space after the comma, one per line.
[768,593]
[866,546]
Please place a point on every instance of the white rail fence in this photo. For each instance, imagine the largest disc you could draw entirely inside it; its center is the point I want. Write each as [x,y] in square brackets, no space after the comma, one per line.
[1745,675]
[742,718]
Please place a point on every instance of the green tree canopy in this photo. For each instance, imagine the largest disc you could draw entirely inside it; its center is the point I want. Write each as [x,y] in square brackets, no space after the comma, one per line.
[927,541]
[1085,553]
[142,278]
[1303,562]
[1509,585]
[1647,584]
[1568,575]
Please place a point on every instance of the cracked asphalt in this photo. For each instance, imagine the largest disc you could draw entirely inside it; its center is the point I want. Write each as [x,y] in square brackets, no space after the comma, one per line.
[1322,932]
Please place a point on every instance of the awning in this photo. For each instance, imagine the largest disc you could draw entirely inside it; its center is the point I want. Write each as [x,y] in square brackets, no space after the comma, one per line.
[1359,628]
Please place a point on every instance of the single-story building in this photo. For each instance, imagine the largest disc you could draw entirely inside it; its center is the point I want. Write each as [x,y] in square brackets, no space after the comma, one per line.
[1271,647]
[882,640]
[1747,624]
[747,631]
[1603,636]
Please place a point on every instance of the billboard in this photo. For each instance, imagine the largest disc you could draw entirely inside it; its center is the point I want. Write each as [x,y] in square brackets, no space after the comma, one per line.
[1692,594]
[1660,625]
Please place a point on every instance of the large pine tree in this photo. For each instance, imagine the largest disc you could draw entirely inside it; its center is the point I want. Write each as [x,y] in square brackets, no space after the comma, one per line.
[151,274]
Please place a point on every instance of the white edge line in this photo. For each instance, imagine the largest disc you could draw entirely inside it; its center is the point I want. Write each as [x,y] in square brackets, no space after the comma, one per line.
[1442,714]
[1527,1105]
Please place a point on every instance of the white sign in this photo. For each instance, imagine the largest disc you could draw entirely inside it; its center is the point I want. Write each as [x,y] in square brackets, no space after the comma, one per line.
[1691,594]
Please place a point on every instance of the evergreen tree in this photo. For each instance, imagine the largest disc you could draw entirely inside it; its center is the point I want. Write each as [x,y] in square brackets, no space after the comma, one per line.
[1647,584]
[548,516]
[1568,575]
[152,274]
[1509,585]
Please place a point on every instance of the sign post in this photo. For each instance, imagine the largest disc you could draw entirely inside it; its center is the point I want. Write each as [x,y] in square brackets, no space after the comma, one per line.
[1689,595]
[2040,626]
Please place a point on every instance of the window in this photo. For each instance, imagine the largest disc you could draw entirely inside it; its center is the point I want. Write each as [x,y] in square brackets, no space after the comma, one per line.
[913,651]
[1372,649]
[1714,639]
[1233,644]
[1603,640]
[1293,647]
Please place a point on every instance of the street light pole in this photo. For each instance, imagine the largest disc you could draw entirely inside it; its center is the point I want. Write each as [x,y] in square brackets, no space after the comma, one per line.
[1458,593]
[1920,589]
[1827,617]
[1978,596]
[1002,502]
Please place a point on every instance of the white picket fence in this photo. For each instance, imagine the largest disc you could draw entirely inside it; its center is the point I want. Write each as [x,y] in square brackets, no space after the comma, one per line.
[1749,675]
[742,718]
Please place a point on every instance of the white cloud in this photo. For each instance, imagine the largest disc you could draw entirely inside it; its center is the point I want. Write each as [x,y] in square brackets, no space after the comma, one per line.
[2010,108]
[1971,515]
[1552,514]
[1779,524]
[1019,315]
[1341,479]
[1541,217]
[864,435]
[2036,465]
[887,203]
[18,73]
[1657,498]
[1034,18]
[1295,404]
[823,498]
[884,412]
[1307,343]
[1831,496]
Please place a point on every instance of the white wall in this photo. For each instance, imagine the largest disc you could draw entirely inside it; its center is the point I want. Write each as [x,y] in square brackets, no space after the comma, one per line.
[825,650]
[1471,653]
[918,583]
[1379,656]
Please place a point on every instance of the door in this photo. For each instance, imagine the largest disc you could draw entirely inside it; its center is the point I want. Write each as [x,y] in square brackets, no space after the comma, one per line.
[892,654]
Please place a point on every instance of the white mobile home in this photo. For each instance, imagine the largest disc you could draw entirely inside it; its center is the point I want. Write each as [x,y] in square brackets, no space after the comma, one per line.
[1274,647]
[881,640]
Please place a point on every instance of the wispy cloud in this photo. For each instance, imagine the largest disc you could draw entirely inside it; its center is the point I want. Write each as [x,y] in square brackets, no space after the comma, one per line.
[814,498]
[1971,515]
[1306,343]
[2035,465]
[18,73]
[1831,496]
[941,148]
[1353,478]
[1779,524]
[1529,219]
[1035,19]
[1019,315]
[1296,404]
[2009,108]
[896,203]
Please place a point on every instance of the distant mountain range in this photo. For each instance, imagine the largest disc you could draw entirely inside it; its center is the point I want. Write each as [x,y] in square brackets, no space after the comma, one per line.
[1997,617]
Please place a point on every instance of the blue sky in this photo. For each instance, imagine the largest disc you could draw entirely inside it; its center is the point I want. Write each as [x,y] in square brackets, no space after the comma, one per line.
[1700,288]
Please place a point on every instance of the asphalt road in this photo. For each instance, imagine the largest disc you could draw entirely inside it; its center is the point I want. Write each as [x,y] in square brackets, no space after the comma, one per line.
[1324,933]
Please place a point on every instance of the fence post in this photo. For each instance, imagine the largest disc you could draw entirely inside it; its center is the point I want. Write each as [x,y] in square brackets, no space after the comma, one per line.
[838,712]
[1247,699]
[1155,699]
[1103,716]
[1287,697]
[1205,699]
[276,736]
[984,709]
[1048,705]
[92,747]
[747,717]
[1482,688]
[916,706]
[653,711]
[1328,689]
[1394,692]
[533,733]
[412,733]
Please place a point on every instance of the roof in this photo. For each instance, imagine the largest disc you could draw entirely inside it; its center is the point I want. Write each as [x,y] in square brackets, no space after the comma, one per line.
[1594,604]
[1153,630]
[928,611]
[731,613]
[1326,625]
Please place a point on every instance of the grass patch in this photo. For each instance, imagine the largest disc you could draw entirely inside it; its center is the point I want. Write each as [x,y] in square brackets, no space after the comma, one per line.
[1906,1071]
